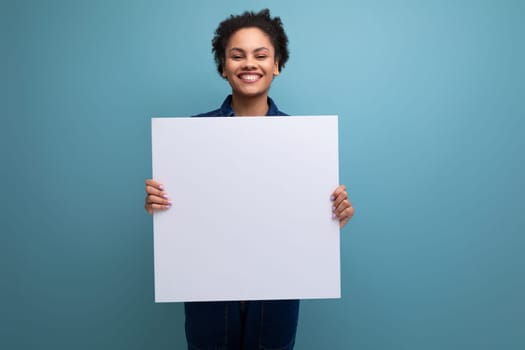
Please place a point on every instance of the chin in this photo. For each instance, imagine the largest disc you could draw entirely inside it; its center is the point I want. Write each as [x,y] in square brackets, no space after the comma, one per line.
[250,94]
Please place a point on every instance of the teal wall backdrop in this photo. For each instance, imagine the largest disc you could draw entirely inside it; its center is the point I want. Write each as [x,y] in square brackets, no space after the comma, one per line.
[432,118]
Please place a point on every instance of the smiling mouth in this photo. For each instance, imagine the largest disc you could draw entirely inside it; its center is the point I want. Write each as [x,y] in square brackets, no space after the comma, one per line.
[249,78]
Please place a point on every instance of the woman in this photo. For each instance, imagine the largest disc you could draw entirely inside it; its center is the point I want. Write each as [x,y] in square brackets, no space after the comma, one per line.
[250,50]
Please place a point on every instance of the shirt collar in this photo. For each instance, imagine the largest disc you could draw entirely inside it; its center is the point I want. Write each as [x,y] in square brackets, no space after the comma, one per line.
[227,110]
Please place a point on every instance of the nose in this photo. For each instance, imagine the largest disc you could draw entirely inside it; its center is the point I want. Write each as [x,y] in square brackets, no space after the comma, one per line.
[249,63]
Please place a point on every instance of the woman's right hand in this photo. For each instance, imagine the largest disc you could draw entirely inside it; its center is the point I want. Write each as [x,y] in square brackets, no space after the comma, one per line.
[156,198]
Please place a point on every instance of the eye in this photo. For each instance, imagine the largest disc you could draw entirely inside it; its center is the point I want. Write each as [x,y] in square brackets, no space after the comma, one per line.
[261,57]
[236,57]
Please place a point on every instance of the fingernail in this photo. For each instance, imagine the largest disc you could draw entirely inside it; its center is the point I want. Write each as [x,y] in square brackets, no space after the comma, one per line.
[161,187]
[165,196]
[332,198]
[334,216]
[333,208]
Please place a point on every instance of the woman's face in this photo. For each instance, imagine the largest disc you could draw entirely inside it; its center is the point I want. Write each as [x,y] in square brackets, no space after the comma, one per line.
[250,63]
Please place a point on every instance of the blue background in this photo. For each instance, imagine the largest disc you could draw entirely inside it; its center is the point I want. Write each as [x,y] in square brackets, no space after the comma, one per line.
[431,102]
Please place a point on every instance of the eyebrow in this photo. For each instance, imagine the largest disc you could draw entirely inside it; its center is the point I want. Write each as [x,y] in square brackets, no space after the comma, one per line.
[256,50]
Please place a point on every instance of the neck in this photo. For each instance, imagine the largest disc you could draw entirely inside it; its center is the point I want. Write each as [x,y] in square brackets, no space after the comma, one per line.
[250,106]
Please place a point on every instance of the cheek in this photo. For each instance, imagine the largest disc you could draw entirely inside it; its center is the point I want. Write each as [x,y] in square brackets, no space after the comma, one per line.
[229,68]
[273,68]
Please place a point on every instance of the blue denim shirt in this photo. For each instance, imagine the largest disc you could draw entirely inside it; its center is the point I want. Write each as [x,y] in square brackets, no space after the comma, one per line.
[226,110]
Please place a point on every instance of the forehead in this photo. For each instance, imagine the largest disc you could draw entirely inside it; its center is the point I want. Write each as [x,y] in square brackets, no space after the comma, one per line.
[249,39]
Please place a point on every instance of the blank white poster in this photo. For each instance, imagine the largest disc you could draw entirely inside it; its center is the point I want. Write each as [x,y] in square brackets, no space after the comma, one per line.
[251,217]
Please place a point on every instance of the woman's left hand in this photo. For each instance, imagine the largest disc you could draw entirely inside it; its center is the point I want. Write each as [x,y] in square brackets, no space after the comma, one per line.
[341,206]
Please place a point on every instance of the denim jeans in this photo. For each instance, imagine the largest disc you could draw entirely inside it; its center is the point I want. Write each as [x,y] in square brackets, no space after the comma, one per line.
[234,325]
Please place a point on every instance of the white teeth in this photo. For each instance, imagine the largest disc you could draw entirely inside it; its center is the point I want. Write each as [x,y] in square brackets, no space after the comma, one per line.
[249,77]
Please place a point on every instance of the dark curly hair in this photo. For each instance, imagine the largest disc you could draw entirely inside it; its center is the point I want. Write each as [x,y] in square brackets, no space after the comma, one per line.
[273,27]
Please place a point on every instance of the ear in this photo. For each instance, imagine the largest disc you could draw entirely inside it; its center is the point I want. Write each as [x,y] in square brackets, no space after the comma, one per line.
[276,68]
